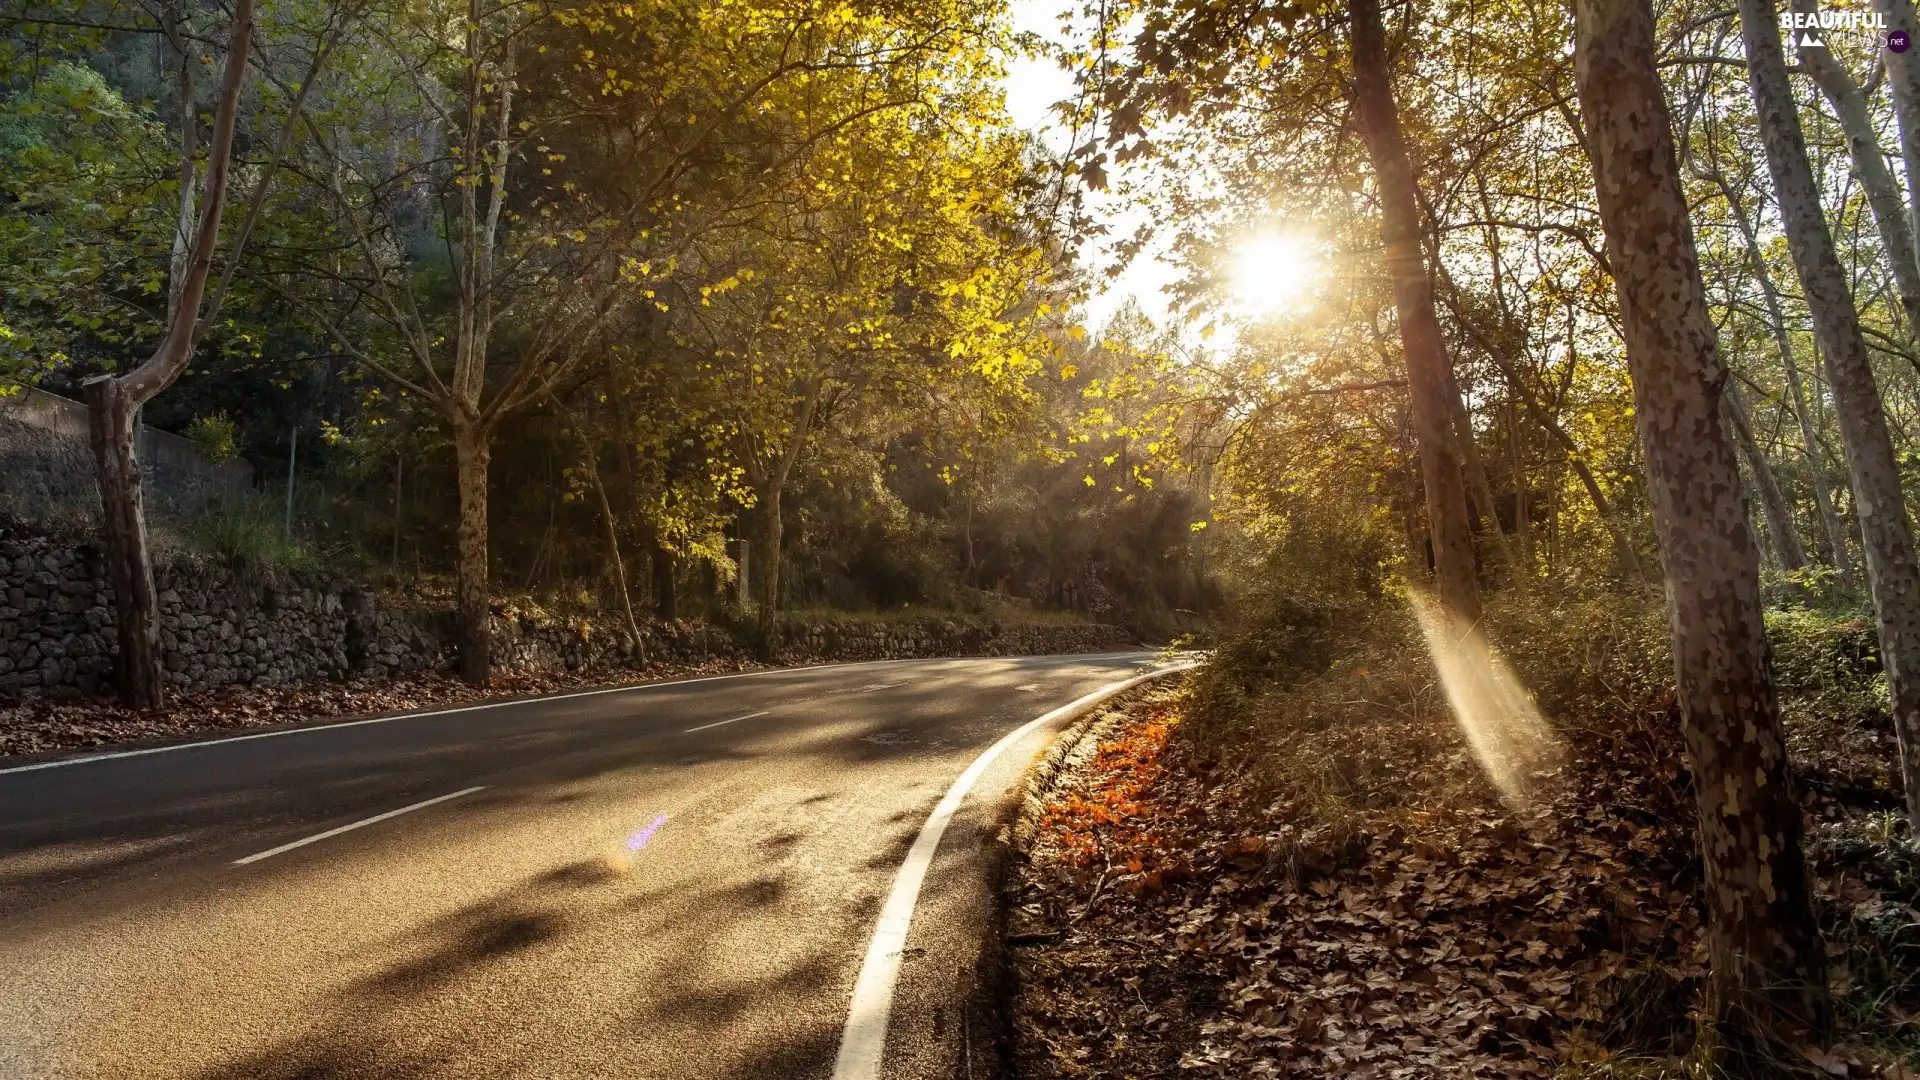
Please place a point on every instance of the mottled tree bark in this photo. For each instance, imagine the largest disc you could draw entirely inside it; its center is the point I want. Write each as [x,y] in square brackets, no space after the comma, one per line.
[1891,215]
[1429,370]
[1903,79]
[111,423]
[1886,534]
[1768,986]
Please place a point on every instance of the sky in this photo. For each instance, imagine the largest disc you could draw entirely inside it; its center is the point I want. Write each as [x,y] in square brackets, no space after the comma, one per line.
[1033,85]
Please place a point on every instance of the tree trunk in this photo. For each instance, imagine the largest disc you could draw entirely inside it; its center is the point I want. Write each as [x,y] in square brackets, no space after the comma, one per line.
[1777,321]
[966,536]
[399,485]
[613,548]
[1891,215]
[1475,473]
[1768,985]
[472,454]
[666,600]
[1903,78]
[1522,513]
[1886,535]
[114,401]
[1429,371]
[768,558]
[771,524]
[110,421]
[1773,504]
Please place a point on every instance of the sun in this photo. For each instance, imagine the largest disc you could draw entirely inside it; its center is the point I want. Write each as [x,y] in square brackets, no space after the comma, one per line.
[1273,272]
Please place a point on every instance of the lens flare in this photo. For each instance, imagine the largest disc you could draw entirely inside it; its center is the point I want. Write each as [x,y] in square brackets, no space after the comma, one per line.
[639,840]
[1504,729]
[620,860]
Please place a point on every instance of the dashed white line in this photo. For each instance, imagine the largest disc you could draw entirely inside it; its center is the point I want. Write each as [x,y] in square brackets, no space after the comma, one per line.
[863,1041]
[717,723]
[271,852]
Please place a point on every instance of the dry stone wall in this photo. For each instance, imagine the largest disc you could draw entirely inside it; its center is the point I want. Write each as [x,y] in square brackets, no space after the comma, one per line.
[222,627]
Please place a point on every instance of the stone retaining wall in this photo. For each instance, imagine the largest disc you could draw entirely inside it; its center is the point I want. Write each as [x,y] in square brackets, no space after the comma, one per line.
[220,627]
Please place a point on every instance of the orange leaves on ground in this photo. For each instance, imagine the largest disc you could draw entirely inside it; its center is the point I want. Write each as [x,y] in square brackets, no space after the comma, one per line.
[1089,825]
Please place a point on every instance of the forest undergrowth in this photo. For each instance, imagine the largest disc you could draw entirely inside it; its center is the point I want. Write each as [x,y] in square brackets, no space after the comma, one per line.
[1294,866]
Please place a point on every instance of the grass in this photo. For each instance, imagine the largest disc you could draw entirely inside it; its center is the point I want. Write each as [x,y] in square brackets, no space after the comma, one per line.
[247,532]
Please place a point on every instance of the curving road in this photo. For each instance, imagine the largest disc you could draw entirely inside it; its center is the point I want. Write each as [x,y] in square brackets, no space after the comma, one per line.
[673,880]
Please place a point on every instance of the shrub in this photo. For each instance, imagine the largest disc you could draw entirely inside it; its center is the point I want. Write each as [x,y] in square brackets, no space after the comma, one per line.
[216,436]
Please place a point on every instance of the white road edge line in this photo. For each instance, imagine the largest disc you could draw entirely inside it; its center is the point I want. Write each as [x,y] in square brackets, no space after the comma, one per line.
[375,819]
[84,759]
[717,723]
[863,1041]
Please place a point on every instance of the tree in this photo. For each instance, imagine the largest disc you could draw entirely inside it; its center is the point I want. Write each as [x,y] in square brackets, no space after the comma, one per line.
[1790,368]
[1768,982]
[1430,384]
[113,401]
[1890,215]
[1892,571]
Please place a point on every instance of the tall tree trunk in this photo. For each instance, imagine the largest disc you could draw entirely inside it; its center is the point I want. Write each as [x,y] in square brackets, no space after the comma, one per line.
[187,215]
[1886,534]
[472,452]
[1891,215]
[1810,442]
[1429,371]
[1903,78]
[113,402]
[966,535]
[110,420]
[1768,984]
[613,545]
[1475,472]
[771,524]
[1773,503]
[1522,512]
[767,556]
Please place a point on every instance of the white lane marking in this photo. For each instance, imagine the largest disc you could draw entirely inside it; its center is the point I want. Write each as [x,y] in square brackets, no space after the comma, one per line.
[1030,688]
[863,1041]
[375,819]
[304,729]
[717,723]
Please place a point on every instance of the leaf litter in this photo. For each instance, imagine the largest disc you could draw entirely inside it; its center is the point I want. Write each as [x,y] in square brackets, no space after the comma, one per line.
[1179,913]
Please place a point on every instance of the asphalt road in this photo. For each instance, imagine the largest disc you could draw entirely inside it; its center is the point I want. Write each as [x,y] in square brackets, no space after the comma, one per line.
[676,880]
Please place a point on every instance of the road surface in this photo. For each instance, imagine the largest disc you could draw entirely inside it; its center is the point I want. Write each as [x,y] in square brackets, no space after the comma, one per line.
[676,880]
